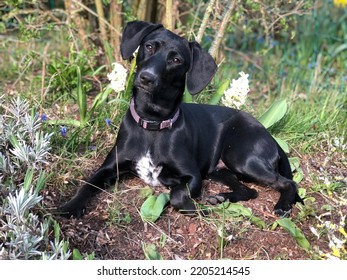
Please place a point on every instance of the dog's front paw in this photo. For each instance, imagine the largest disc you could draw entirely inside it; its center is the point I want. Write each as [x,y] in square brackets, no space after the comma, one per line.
[283,210]
[216,199]
[283,213]
[71,209]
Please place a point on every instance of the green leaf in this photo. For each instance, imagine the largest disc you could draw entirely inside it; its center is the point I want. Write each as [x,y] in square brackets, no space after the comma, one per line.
[99,100]
[14,141]
[81,98]
[65,122]
[295,232]
[91,256]
[76,255]
[298,176]
[130,80]
[338,50]
[219,93]
[237,210]
[302,192]
[275,113]
[41,181]
[145,192]
[283,144]
[28,179]
[153,206]
[151,252]
[56,229]
[294,163]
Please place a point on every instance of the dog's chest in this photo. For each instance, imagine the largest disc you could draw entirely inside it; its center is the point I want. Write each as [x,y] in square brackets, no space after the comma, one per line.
[147,170]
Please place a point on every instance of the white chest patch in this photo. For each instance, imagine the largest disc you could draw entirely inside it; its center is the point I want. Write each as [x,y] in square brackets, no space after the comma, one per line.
[147,171]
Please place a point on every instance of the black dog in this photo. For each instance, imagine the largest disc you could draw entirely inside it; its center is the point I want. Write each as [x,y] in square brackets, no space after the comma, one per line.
[165,142]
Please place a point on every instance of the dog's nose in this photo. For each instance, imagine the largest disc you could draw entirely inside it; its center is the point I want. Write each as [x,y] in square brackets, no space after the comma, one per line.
[147,78]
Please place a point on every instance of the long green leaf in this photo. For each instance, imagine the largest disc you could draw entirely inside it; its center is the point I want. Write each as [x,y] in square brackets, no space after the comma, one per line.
[81,98]
[219,93]
[237,210]
[295,232]
[99,100]
[72,122]
[130,80]
[283,144]
[275,113]
[29,175]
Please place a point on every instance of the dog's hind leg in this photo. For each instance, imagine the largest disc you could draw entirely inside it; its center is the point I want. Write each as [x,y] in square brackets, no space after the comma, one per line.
[264,173]
[240,192]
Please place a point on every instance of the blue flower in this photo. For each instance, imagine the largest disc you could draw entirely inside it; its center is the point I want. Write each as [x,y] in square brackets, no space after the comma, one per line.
[108,121]
[63,131]
[312,65]
[274,43]
[44,117]
[260,39]
[92,147]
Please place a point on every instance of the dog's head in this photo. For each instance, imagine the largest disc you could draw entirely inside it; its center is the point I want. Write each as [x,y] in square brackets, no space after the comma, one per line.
[166,61]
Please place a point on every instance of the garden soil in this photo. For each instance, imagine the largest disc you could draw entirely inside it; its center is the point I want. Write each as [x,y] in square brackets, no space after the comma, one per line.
[112,226]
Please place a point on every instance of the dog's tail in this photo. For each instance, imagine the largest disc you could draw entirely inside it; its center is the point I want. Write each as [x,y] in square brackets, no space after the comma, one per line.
[285,170]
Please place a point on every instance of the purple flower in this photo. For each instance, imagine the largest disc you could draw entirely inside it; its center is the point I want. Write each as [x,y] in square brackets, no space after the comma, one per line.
[63,131]
[44,117]
[108,122]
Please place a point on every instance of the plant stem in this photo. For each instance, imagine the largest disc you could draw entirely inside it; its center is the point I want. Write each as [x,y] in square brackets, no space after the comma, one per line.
[100,11]
[204,21]
[219,36]
[169,7]
[74,16]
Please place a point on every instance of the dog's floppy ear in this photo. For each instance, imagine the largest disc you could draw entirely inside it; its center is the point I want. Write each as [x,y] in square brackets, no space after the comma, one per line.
[202,69]
[133,34]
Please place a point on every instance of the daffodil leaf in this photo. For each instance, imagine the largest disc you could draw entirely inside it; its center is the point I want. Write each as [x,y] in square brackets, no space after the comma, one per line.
[275,113]
[151,252]
[294,163]
[219,93]
[237,210]
[283,144]
[153,206]
[298,176]
[288,225]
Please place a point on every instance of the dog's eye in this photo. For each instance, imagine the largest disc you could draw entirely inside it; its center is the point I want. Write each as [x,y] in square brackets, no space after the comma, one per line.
[176,60]
[149,48]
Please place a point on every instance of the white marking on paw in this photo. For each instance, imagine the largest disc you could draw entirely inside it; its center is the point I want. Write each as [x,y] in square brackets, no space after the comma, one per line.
[147,171]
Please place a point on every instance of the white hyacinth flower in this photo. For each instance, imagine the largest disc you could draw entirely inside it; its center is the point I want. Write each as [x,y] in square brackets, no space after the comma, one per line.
[117,77]
[236,95]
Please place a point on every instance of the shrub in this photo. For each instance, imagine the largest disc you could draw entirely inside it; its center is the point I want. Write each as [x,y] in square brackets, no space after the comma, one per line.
[24,151]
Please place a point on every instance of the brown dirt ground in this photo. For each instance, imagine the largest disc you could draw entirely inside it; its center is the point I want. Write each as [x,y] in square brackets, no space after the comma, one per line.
[197,237]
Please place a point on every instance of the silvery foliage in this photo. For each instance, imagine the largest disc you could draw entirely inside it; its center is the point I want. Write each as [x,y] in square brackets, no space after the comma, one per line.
[22,143]
[23,148]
